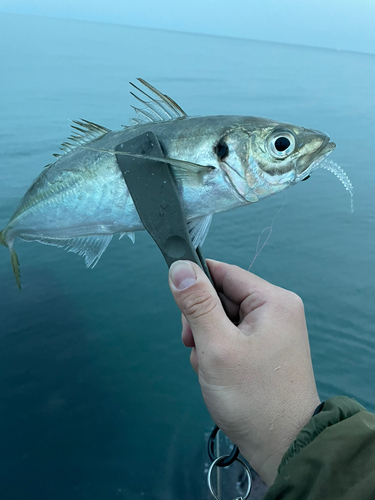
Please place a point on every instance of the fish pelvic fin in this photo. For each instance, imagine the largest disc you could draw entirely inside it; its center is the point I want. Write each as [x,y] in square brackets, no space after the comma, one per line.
[13,259]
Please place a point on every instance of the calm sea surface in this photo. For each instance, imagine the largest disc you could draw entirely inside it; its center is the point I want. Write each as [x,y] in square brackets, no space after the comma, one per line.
[98,400]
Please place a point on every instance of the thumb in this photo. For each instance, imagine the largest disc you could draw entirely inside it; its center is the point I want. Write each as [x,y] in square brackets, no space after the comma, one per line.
[197,299]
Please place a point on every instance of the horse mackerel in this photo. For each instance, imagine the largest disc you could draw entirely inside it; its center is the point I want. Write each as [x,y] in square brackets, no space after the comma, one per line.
[219,162]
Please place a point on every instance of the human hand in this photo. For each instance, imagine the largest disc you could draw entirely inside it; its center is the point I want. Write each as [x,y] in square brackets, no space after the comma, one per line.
[256,378]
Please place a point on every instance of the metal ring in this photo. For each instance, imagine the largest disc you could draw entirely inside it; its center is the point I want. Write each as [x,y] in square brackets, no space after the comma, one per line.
[225,460]
[215,464]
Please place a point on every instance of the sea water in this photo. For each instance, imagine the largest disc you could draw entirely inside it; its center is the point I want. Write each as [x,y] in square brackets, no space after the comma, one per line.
[98,400]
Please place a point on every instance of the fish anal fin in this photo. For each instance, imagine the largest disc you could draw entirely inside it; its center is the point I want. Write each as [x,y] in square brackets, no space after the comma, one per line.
[90,247]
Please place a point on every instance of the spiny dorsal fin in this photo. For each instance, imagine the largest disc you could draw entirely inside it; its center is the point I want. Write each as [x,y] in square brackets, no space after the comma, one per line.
[84,133]
[157,110]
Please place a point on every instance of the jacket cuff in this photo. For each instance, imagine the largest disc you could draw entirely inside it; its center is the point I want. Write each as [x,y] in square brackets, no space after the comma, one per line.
[334,411]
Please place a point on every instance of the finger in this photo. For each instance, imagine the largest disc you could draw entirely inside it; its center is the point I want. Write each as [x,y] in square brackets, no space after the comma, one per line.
[231,309]
[237,284]
[198,301]
[187,334]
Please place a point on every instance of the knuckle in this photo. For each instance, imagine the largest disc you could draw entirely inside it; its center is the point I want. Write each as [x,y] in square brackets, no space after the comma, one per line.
[199,304]
[289,303]
[296,302]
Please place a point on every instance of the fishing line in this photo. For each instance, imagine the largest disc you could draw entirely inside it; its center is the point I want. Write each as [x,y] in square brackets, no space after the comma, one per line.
[269,228]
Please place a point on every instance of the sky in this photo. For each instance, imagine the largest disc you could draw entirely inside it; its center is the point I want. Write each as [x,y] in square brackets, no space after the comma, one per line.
[337,24]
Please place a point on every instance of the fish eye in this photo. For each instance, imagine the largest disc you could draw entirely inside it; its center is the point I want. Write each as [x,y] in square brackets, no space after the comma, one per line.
[281,144]
[221,149]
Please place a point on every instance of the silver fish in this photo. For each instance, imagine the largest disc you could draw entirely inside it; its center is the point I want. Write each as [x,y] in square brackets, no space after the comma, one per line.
[219,163]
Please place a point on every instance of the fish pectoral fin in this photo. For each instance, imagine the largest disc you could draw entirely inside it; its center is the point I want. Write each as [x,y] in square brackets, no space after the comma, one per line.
[183,170]
[198,229]
[180,167]
[186,172]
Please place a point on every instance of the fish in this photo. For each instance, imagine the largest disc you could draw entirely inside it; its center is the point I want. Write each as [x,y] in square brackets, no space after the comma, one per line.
[81,201]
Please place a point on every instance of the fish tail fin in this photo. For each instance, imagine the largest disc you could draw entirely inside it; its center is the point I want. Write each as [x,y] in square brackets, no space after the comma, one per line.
[13,259]
[2,240]
[15,266]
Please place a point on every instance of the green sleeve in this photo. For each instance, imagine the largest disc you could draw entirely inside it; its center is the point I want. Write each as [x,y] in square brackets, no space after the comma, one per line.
[333,457]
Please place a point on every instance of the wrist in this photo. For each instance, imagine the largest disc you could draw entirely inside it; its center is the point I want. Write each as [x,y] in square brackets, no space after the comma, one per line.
[279,433]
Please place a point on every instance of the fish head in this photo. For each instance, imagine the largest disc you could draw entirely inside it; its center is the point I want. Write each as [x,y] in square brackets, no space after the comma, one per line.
[261,157]
[282,155]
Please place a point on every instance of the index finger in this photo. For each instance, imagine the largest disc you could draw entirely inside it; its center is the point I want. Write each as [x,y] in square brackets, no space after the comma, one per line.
[238,284]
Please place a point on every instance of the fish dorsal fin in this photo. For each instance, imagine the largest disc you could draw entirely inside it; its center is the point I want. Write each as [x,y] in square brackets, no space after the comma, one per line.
[156,110]
[84,132]
[198,229]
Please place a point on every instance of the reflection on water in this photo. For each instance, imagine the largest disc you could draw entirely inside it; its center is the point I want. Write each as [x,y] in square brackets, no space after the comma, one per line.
[99,400]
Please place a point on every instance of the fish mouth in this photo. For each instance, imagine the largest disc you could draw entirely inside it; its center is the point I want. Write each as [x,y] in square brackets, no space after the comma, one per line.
[325,149]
